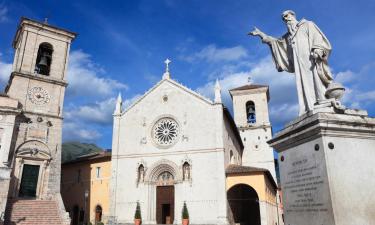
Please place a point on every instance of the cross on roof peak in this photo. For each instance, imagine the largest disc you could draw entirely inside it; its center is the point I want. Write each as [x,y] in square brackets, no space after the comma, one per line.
[166,74]
[167,61]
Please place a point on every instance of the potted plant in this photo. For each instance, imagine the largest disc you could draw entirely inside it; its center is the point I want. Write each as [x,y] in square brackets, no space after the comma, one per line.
[137,216]
[185,215]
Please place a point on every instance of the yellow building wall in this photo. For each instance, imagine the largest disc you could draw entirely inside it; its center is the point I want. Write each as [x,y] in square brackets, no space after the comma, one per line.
[73,191]
[258,181]
[100,189]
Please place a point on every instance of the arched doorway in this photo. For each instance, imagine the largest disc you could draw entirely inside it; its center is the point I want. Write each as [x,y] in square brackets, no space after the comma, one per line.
[98,214]
[244,204]
[31,169]
[165,198]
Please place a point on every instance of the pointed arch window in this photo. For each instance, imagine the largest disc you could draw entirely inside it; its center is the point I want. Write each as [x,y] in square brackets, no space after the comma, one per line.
[250,112]
[44,59]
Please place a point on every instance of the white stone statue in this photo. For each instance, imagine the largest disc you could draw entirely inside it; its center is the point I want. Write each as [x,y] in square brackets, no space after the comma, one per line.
[303,50]
[186,171]
[141,173]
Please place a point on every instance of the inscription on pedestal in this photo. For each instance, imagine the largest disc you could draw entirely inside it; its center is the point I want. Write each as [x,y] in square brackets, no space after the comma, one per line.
[305,186]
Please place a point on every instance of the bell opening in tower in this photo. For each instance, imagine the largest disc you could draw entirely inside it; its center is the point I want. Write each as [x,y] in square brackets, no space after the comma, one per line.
[250,111]
[44,59]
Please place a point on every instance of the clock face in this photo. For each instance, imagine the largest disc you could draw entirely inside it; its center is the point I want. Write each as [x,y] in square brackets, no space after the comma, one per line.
[38,96]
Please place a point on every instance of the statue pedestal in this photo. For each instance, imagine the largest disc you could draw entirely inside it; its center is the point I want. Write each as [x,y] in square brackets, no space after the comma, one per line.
[327,168]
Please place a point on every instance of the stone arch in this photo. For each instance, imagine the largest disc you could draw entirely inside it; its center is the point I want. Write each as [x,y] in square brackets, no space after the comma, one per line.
[35,156]
[163,166]
[34,149]
[244,205]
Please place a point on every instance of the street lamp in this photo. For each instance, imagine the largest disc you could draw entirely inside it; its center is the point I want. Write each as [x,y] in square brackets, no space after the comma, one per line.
[85,208]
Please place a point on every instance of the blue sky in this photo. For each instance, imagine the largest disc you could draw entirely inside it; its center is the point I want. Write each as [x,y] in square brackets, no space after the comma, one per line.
[122,45]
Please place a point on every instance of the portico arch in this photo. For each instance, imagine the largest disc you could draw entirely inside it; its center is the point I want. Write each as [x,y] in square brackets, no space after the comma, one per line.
[244,205]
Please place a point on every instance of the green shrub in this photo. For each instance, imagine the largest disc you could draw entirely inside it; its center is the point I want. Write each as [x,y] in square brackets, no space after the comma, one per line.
[138,212]
[99,223]
[185,212]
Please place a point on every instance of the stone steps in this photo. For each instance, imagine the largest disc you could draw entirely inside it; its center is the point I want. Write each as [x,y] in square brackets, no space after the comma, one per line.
[32,212]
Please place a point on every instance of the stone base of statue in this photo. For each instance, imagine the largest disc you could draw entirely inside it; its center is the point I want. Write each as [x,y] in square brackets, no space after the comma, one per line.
[327,168]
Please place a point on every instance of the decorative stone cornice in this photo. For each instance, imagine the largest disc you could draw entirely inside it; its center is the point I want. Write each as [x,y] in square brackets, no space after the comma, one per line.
[34,76]
[327,124]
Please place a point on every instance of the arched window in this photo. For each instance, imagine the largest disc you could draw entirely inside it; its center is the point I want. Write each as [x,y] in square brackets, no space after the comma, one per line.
[44,59]
[186,171]
[250,112]
[98,214]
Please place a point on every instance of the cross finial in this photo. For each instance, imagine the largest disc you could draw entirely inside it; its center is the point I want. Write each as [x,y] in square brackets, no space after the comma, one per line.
[167,61]
[46,20]
[166,74]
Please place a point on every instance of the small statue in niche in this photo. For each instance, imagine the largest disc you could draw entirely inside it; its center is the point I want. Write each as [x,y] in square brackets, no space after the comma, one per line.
[141,173]
[186,171]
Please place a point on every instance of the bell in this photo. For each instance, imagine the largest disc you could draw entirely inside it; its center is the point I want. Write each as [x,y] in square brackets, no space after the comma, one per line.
[43,63]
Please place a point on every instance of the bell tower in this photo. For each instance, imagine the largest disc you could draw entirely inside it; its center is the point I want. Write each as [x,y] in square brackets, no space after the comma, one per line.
[38,82]
[250,107]
[38,79]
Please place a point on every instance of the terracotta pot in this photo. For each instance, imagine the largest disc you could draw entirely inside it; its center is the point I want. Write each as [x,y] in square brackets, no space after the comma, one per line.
[137,221]
[185,221]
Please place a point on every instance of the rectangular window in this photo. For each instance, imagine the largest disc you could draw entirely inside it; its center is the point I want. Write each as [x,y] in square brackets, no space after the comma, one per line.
[98,171]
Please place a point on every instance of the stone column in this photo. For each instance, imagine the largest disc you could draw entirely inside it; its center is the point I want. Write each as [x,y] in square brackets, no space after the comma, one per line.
[327,168]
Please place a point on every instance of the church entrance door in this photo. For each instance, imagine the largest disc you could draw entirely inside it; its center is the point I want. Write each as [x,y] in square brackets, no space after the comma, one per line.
[29,181]
[165,204]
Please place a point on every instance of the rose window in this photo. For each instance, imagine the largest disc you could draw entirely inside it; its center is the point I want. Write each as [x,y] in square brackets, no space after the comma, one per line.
[165,131]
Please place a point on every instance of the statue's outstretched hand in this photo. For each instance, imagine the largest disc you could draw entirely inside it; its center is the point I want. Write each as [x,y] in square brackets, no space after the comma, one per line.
[255,32]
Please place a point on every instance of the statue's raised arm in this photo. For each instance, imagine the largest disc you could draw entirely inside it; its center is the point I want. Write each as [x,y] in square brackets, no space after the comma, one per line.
[265,38]
[303,50]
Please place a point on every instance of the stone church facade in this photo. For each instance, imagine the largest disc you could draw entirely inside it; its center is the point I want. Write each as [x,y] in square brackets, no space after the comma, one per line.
[31,123]
[173,146]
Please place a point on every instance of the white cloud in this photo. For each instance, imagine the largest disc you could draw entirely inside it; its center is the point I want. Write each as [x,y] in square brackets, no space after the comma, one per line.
[74,132]
[84,77]
[5,70]
[344,77]
[359,87]
[3,13]
[128,102]
[211,53]
[98,113]
[283,105]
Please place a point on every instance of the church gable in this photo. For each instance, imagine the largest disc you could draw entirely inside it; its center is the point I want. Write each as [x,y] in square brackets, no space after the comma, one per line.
[168,85]
[190,116]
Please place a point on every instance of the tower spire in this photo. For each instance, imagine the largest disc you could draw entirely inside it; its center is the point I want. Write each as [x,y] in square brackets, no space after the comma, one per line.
[217,92]
[118,108]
